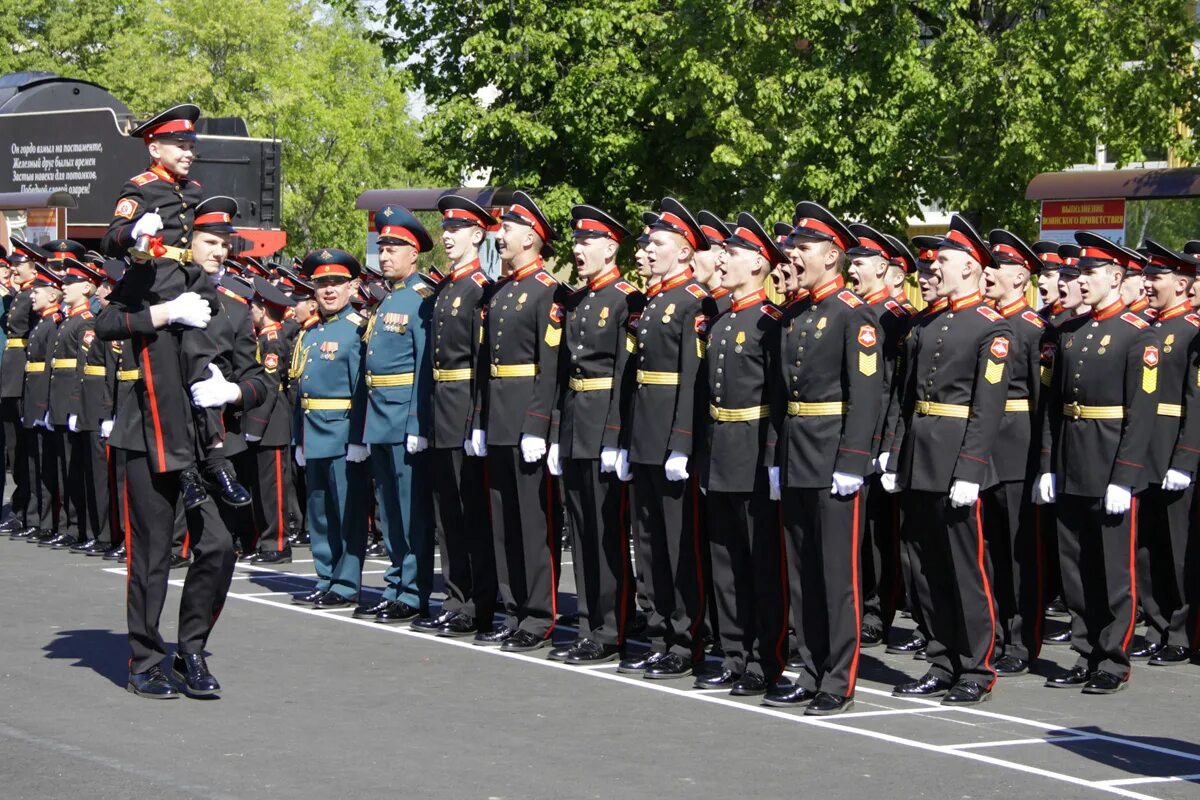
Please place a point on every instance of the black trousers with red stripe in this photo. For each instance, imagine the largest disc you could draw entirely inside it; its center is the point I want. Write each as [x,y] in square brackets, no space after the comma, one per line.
[915,586]
[153,498]
[526,531]
[749,578]
[959,610]
[666,514]
[270,479]
[51,466]
[882,579]
[1014,548]
[1098,552]
[464,534]
[1166,570]
[597,510]
[824,533]
[87,486]
[16,446]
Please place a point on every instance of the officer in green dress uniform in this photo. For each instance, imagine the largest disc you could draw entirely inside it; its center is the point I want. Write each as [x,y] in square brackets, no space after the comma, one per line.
[399,389]
[327,370]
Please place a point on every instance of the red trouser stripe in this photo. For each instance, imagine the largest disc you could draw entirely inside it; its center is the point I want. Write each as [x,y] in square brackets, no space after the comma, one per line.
[279,495]
[551,544]
[1132,577]
[855,584]
[987,591]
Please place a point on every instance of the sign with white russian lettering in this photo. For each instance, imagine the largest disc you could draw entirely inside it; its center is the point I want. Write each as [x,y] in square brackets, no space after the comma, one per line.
[1062,219]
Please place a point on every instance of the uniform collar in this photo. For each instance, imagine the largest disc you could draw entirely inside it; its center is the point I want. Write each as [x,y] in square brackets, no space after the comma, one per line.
[334,317]
[308,323]
[876,297]
[600,281]
[289,313]
[666,284]
[1174,311]
[719,292]
[50,311]
[1139,305]
[269,326]
[24,285]
[1057,307]
[527,270]
[465,270]
[752,299]
[939,305]
[823,291]
[165,174]
[1012,308]
[1112,309]
[79,310]
[972,299]
[799,296]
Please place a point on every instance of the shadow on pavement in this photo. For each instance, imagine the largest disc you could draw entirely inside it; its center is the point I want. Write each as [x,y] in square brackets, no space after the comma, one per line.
[102,651]
[1174,756]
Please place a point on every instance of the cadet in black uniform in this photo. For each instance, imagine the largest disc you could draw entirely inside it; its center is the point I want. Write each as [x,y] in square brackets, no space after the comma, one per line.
[19,444]
[745,540]
[523,333]
[45,442]
[952,406]
[458,476]
[704,264]
[595,385]
[659,441]
[1100,418]
[1164,587]
[826,427]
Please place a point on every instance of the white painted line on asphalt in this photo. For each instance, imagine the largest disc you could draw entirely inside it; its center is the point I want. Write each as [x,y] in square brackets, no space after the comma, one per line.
[892,712]
[1015,742]
[1157,779]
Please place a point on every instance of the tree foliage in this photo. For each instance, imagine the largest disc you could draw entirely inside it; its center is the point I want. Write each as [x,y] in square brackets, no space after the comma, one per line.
[871,107]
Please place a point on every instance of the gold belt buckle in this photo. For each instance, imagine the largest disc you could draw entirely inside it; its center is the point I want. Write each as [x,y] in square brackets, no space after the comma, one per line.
[922,407]
[1073,410]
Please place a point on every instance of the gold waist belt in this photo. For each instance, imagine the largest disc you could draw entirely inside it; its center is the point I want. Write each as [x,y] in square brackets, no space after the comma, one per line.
[514,370]
[799,409]
[447,375]
[325,403]
[1170,410]
[1019,404]
[738,414]
[397,379]
[590,384]
[648,378]
[35,366]
[129,374]
[64,363]
[1076,411]
[95,370]
[13,343]
[929,409]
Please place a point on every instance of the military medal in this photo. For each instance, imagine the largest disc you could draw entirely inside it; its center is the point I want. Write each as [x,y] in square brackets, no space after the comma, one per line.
[603,317]
[1170,340]
[739,340]
[670,310]
[1103,344]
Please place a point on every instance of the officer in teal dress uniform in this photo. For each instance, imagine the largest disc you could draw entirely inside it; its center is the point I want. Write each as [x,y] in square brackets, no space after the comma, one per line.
[399,379]
[327,371]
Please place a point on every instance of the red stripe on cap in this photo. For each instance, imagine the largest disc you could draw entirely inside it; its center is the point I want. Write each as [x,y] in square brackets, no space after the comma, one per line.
[1096,252]
[712,233]
[331,269]
[213,218]
[871,244]
[808,223]
[681,227]
[1051,258]
[1012,252]
[927,255]
[750,236]
[596,226]
[399,232]
[78,273]
[462,213]
[172,126]
[961,238]
[59,255]
[527,215]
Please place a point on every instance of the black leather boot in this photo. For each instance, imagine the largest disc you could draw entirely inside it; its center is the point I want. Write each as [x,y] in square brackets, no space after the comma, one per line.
[194,493]
[231,492]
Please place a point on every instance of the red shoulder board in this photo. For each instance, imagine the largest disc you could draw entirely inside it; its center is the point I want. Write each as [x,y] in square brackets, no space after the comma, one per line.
[480,279]
[989,312]
[894,307]
[231,295]
[1033,319]
[1192,318]
[1135,320]
[697,291]
[625,288]
[546,279]
[143,179]
[771,311]
[909,308]
[850,298]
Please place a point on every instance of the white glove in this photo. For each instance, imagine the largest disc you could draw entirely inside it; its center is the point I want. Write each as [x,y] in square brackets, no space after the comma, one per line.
[532,448]
[676,466]
[415,444]
[73,423]
[1176,480]
[553,462]
[251,437]
[963,493]
[189,309]
[846,484]
[1046,489]
[624,473]
[106,427]
[299,455]
[46,423]
[477,444]
[1117,499]
[214,391]
[883,460]
[356,453]
[608,459]
[773,480]
[888,481]
[147,224]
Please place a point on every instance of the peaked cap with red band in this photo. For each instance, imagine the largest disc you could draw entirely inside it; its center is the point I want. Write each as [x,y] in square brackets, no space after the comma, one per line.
[62,249]
[254,268]
[47,277]
[713,227]
[398,225]
[751,235]
[648,220]
[782,231]
[80,272]
[814,221]
[1047,252]
[901,256]
[1097,251]
[69,258]
[269,293]
[868,242]
[1163,259]
[330,262]
[964,238]
[458,211]
[174,123]
[1008,248]
[526,212]
[675,217]
[587,221]
[26,251]
[927,247]
[216,214]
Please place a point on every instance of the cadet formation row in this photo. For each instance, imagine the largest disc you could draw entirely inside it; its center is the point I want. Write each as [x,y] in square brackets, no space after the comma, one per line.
[780,478]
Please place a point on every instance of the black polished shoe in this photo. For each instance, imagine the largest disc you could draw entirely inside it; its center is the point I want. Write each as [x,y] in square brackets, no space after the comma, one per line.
[10,526]
[308,598]
[115,553]
[560,651]
[966,693]
[191,670]
[672,665]
[788,695]
[87,548]
[332,599]
[920,655]
[1171,655]
[1056,608]
[27,532]
[177,561]
[494,638]
[1147,650]
[589,651]
[192,486]
[1010,666]
[928,685]
[826,705]
[376,550]
[910,645]
[633,664]
[396,613]
[749,685]
[523,642]
[870,636]
[100,549]
[458,626]
[246,557]
[151,684]
[1062,637]
[722,679]
[1071,679]
[232,493]
[369,610]
[1102,682]
[43,537]
[431,624]
[64,541]
[298,539]
[283,556]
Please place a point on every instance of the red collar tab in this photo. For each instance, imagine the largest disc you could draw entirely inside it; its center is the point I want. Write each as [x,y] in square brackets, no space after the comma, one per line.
[974,298]
[51,310]
[1175,311]
[527,270]
[1012,308]
[678,280]
[600,281]
[719,292]
[677,224]
[876,297]
[531,219]
[78,310]
[960,238]
[754,298]
[24,285]
[806,225]
[163,172]
[465,269]
[1112,309]
[308,323]
[269,326]
[1057,307]
[1139,305]
[1011,255]
[821,292]
[596,226]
